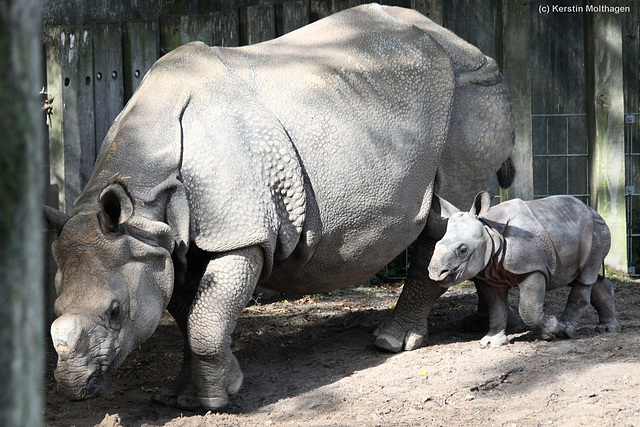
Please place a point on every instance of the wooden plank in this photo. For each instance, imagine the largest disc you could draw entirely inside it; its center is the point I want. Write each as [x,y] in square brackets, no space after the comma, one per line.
[320,9]
[178,30]
[473,21]
[339,5]
[108,71]
[72,132]
[257,24]
[226,29]
[398,3]
[605,123]
[631,53]
[513,54]
[432,9]
[141,41]
[291,16]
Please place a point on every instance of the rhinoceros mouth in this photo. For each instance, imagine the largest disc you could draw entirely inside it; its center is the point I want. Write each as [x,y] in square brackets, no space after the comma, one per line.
[97,383]
[95,386]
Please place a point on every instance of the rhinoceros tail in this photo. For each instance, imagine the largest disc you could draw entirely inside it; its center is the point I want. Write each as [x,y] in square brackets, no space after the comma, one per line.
[507,173]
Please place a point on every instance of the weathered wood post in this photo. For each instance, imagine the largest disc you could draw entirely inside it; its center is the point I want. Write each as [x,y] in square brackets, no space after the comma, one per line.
[605,123]
[108,77]
[257,24]
[291,16]
[226,29]
[178,30]
[69,57]
[21,184]
[140,47]
[432,9]
[513,55]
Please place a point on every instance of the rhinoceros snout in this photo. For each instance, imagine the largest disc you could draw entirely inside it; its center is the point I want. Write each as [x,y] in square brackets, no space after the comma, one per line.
[75,391]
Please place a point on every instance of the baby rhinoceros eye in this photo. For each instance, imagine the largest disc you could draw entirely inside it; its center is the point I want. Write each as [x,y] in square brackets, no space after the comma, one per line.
[462,251]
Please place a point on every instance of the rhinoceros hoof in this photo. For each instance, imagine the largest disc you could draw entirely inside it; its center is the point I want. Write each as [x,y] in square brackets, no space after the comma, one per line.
[213,403]
[496,340]
[389,343]
[565,330]
[164,399]
[218,402]
[188,402]
[611,327]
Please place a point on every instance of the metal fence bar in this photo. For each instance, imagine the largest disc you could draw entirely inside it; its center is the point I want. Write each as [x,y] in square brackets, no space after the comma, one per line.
[567,155]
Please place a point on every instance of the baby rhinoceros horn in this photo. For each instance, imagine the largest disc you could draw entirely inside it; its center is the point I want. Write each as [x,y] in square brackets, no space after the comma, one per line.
[65,334]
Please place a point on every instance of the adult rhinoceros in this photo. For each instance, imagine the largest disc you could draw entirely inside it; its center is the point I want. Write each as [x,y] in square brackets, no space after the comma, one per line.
[303,164]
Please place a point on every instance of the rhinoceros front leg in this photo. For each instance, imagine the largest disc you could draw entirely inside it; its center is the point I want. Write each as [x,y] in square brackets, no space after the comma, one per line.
[497,305]
[224,292]
[408,328]
[532,293]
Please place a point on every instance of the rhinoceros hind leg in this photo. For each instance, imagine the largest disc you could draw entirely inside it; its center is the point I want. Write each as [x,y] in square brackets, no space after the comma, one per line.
[407,328]
[603,300]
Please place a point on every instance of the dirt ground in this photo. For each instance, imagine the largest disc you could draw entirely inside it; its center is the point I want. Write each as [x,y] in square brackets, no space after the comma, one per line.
[312,362]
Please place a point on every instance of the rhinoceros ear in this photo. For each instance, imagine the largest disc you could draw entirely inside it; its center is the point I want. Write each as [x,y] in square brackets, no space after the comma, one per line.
[54,220]
[444,208]
[117,207]
[481,204]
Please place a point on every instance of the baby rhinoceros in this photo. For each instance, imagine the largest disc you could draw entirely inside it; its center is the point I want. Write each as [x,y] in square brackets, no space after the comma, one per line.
[537,245]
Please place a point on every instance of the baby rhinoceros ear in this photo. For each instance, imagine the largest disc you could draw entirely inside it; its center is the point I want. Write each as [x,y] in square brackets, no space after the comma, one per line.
[444,208]
[481,204]
[117,207]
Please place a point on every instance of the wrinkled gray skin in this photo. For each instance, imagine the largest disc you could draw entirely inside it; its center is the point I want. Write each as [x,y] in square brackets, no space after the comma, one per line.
[538,246]
[302,164]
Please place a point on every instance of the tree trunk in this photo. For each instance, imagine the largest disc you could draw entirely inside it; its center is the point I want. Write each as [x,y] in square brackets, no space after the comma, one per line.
[21,184]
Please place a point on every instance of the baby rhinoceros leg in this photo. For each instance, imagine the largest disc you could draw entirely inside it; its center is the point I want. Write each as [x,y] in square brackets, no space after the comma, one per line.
[532,294]
[577,303]
[602,300]
[497,305]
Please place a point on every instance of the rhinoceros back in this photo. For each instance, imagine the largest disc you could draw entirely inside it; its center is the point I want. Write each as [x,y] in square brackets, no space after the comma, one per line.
[365,100]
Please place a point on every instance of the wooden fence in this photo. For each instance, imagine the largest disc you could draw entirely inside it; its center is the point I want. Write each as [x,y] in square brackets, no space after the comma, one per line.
[92,71]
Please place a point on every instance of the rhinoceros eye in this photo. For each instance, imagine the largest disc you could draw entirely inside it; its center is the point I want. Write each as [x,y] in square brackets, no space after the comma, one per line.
[115,311]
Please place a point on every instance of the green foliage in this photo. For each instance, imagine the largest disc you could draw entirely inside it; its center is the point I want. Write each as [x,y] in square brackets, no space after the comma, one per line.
[255,301]
[398,267]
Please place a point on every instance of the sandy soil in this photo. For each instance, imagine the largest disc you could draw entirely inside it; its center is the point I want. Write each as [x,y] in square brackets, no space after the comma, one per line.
[312,362]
